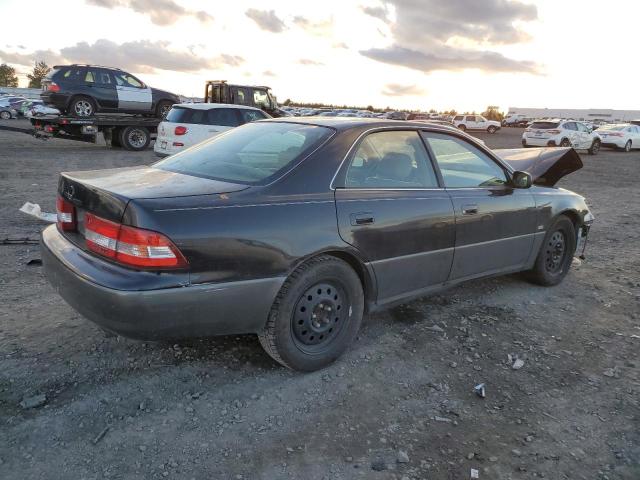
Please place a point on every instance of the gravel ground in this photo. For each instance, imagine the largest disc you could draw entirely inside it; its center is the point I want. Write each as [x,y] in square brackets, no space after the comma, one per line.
[399,405]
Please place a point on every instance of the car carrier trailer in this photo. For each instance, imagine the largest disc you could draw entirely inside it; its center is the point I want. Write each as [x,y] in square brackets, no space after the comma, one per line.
[132,132]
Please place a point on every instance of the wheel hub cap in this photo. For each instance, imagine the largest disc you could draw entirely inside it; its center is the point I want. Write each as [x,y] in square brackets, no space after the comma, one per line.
[318,315]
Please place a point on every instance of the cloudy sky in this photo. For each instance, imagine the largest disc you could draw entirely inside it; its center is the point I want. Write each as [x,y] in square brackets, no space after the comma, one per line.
[420,54]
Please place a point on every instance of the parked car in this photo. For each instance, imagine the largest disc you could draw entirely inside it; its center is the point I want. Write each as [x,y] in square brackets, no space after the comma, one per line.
[185,125]
[7,112]
[622,136]
[27,106]
[293,229]
[84,90]
[515,120]
[561,133]
[8,99]
[476,122]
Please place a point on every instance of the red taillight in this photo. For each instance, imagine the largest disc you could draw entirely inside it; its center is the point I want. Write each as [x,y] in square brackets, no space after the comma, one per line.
[66,214]
[180,130]
[131,246]
[53,87]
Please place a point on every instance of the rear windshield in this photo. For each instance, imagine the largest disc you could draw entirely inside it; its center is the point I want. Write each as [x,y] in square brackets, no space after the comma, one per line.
[545,125]
[253,154]
[617,128]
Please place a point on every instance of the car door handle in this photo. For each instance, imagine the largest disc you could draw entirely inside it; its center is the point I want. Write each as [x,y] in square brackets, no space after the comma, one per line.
[470,209]
[364,218]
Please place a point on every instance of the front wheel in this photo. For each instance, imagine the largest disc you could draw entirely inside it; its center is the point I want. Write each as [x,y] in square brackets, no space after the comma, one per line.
[4,115]
[556,254]
[595,147]
[627,146]
[316,315]
[492,129]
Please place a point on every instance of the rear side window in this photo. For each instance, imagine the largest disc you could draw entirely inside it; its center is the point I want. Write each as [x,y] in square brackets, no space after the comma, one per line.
[458,117]
[395,159]
[462,165]
[570,126]
[224,117]
[544,125]
[71,74]
[253,154]
[187,115]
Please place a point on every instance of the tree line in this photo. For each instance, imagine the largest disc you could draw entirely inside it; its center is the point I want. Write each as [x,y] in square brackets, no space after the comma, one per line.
[8,77]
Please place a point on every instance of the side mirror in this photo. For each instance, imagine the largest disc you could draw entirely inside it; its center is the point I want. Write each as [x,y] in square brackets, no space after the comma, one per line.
[521,180]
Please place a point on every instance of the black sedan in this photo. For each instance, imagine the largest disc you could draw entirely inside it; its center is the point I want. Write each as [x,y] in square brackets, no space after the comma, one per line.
[293,229]
[84,90]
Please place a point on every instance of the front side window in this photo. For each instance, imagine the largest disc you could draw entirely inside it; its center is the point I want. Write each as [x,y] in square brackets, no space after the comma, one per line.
[255,153]
[252,115]
[126,80]
[462,165]
[582,127]
[260,98]
[394,159]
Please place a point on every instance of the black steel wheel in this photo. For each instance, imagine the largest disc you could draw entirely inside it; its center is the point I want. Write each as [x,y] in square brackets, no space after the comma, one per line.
[316,315]
[556,253]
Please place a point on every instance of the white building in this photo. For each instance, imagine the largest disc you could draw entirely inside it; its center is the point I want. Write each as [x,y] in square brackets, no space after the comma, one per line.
[592,114]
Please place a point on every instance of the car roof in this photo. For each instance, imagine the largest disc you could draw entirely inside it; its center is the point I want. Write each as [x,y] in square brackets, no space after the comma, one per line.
[345,123]
[209,106]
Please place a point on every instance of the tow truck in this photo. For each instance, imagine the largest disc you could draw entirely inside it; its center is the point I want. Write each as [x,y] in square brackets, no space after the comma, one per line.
[131,132]
[219,91]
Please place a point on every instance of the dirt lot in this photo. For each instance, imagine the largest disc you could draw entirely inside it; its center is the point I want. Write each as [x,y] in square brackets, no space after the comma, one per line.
[399,405]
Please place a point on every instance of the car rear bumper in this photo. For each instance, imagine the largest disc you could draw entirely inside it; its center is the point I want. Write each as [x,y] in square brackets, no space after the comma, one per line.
[539,142]
[58,100]
[161,313]
[611,143]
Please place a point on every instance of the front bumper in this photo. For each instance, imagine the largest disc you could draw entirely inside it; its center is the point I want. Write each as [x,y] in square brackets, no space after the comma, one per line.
[158,313]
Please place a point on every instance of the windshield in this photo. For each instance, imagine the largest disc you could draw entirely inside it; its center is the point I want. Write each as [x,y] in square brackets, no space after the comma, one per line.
[252,154]
[544,125]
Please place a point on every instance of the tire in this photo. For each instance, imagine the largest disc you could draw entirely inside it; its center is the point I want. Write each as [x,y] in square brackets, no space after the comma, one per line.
[462,127]
[135,138]
[595,147]
[163,108]
[4,115]
[551,265]
[565,142]
[627,146]
[82,107]
[492,129]
[316,315]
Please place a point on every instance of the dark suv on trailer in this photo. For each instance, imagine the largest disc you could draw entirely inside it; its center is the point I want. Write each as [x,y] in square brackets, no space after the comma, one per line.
[83,90]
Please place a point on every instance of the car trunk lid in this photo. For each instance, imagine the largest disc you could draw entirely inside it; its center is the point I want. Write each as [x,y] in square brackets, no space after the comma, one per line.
[106,193]
[546,165]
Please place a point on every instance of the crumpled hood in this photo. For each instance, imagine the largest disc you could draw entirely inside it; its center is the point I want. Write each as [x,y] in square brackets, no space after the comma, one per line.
[546,165]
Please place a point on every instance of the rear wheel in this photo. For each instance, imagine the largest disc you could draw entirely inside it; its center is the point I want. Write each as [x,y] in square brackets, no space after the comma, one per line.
[316,315]
[627,146]
[556,254]
[82,107]
[163,108]
[4,115]
[595,147]
[462,127]
[565,142]
[135,138]
[492,129]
